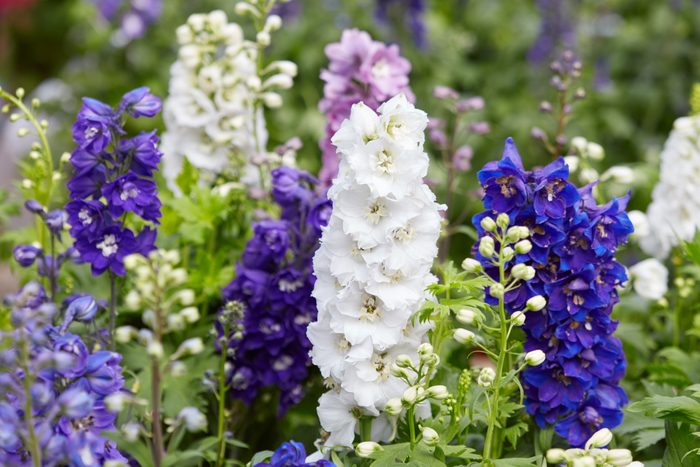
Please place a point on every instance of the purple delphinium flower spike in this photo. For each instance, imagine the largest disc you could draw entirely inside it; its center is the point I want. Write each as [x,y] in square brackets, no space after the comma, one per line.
[577,388]
[359,70]
[68,390]
[273,283]
[112,179]
[557,30]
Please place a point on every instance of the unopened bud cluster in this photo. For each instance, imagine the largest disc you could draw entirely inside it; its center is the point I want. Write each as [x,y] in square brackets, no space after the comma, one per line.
[593,455]
[157,282]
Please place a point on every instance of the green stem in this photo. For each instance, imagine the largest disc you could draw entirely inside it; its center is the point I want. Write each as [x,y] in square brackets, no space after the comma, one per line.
[677,324]
[366,428]
[502,355]
[411,420]
[112,309]
[221,453]
[157,447]
[28,411]
[46,149]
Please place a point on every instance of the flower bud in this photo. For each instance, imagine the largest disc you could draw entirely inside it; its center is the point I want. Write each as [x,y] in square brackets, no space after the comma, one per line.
[154,349]
[393,406]
[497,290]
[185,297]
[599,439]
[192,346]
[193,419]
[488,224]
[273,23]
[367,448]
[486,377]
[535,357]
[410,395]
[518,318]
[430,436]
[595,151]
[178,276]
[272,100]
[619,457]
[556,456]
[579,144]
[438,392]
[398,371]
[586,461]
[131,431]
[466,316]
[486,246]
[403,361]
[123,334]
[503,220]
[471,265]
[425,350]
[190,314]
[463,336]
[116,402]
[132,300]
[536,303]
[508,253]
[523,272]
[523,247]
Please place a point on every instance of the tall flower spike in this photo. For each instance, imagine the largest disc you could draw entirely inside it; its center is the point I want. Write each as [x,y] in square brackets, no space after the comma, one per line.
[373,265]
[360,70]
[673,213]
[573,242]
[52,371]
[113,178]
[214,111]
[273,283]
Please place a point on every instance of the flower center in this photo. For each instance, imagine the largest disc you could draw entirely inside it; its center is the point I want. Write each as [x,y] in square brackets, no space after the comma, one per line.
[506,189]
[385,162]
[376,211]
[370,311]
[108,246]
[290,286]
[129,192]
[343,344]
[404,234]
[282,363]
[381,69]
[90,132]
[381,365]
[85,217]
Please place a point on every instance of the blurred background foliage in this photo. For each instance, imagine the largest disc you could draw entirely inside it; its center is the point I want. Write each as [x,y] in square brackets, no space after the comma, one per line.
[640,60]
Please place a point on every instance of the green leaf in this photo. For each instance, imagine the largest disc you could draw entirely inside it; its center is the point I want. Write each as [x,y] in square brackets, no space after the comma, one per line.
[677,409]
[679,444]
[516,462]
[391,454]
[188,177]
[514,432]
[261,456]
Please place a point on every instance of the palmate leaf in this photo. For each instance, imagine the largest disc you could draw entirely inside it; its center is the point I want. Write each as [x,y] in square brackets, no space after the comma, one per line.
[645,431]
[514,432]
[677,409]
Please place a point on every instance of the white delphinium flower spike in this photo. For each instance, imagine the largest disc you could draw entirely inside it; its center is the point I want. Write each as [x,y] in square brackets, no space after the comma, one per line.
[373,266]
[674,213]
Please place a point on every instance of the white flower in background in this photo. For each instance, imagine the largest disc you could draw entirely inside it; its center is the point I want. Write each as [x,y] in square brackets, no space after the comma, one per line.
[619,174]
[640,221]
[650,279]
[373,266]
[212,113]
[193,419]
[674,213]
